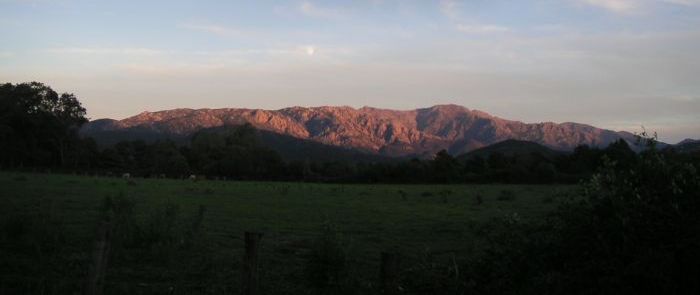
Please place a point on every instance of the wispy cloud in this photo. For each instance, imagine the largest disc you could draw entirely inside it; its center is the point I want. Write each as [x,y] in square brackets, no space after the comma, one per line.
[449,8]
[617,6]
[212,29]
[216,63]
[482,29]
[635,6]
[172,69]
[684,98]
[6,54]
[288,54]
[309,9]
[683,2]
[105,50]
[33,3]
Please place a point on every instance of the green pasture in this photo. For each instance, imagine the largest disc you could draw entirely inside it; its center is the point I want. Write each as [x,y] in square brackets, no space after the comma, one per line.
[415,221]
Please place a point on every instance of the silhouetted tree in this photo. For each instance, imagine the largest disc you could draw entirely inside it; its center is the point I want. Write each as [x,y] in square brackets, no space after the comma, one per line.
[445,167]
[37,125]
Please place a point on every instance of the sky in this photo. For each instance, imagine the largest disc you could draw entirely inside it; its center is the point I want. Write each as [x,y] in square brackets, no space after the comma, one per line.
[616,64]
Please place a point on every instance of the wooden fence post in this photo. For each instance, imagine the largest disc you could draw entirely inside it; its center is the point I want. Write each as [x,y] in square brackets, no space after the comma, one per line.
[98,269]
[389,273]
[250,263]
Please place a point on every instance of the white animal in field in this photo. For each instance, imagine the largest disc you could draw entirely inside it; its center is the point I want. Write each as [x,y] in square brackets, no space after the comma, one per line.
[193,177]
[126,175]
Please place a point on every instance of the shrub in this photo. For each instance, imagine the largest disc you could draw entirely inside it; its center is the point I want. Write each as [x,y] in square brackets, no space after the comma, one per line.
[430,276]
[403,195]
[636,230]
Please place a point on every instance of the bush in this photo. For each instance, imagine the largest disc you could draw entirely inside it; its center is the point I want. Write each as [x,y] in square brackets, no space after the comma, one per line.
[635,230]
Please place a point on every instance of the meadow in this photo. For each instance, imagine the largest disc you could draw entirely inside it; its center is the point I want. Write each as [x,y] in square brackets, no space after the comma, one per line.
[184,236]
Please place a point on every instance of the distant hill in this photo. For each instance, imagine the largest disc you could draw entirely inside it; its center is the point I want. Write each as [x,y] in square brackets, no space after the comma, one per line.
[419,133]
[288,147]
[687,146]
[108,132]
[292,148]
[513,148]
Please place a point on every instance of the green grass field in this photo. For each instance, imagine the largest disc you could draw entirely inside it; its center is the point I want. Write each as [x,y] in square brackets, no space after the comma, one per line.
[414,220]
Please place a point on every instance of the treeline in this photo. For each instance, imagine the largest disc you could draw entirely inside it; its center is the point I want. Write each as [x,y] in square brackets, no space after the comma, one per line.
[236,153]
[497,167]
[39,130]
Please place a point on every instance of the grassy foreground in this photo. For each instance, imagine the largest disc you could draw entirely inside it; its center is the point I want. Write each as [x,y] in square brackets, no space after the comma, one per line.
[49,224]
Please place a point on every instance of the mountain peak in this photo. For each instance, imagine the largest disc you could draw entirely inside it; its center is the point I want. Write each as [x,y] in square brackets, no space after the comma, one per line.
[446,109]
[451,107]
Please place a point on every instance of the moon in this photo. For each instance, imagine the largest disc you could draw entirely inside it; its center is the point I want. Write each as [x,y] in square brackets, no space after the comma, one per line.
[310,50]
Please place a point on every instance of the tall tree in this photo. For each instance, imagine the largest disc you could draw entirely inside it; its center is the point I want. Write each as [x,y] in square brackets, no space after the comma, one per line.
[38,125]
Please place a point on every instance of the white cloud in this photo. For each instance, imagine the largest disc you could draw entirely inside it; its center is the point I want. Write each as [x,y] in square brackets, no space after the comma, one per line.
[482,29]
[309,9]
[617,6]
[212,29]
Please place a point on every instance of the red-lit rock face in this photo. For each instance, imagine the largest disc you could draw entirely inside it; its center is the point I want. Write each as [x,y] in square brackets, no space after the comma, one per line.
[388,132]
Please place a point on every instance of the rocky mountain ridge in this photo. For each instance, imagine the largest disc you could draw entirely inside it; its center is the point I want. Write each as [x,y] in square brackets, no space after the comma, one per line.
[418,132]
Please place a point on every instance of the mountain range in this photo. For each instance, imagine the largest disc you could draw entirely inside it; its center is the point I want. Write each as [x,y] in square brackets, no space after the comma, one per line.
[384,132]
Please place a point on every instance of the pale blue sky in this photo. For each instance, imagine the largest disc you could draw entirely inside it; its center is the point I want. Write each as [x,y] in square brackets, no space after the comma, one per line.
[616,64]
